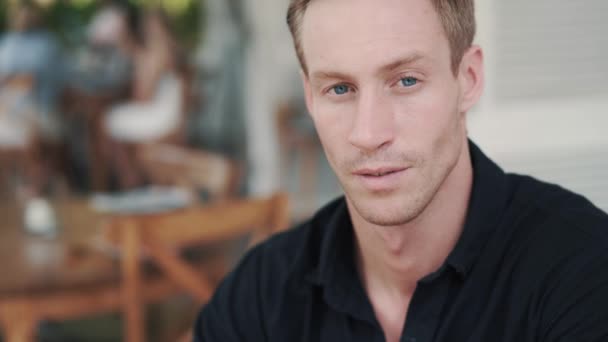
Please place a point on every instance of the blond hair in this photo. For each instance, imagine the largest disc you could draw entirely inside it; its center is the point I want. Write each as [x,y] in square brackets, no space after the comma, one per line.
[457,18]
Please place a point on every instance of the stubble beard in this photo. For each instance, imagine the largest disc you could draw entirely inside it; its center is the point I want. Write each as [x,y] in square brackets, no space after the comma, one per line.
[401,208]
[402,205]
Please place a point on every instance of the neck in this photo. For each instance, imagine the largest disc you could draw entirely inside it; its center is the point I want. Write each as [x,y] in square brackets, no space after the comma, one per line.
[394,259]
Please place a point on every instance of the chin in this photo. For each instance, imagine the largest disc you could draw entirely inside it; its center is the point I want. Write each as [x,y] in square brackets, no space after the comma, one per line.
[388,211]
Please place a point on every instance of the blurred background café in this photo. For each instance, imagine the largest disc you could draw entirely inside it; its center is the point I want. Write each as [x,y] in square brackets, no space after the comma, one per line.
[146,144]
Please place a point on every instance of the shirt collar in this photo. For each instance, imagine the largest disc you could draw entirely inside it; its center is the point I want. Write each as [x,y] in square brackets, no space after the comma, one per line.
[337,247]
[486,207]
[336,271]
[329,244]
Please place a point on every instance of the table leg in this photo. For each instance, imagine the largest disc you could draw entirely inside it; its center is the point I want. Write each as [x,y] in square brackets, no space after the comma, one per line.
[131,291]
[17,325]
[20,332]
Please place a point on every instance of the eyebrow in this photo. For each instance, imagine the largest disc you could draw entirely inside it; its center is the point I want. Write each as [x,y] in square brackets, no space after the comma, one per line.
[392,66]
[325,75]
[411,59]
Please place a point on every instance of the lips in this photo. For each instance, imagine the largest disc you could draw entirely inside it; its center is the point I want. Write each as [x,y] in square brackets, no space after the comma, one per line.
[378,172]
[381,179]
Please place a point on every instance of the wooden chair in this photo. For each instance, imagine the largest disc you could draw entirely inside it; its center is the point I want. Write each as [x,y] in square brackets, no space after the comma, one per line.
[190,168]
[89,108]
[161,237]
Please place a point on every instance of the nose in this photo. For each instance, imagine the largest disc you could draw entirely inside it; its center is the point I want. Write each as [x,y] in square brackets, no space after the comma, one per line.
[373,125]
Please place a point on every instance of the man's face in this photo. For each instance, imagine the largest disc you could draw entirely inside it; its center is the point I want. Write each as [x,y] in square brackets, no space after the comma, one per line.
[387,106]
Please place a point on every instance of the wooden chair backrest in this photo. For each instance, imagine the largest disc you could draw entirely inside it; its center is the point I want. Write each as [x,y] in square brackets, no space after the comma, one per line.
[176,165]
[162,235]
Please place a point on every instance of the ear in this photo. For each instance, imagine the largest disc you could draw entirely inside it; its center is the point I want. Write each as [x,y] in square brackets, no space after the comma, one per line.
[307,91]
[471,78]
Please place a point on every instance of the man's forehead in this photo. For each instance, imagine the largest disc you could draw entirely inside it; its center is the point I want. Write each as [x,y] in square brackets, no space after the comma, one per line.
[357,16]
[373,33]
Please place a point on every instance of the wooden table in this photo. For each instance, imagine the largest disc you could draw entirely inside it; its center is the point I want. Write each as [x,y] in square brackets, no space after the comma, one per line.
[38,273]
[70,276]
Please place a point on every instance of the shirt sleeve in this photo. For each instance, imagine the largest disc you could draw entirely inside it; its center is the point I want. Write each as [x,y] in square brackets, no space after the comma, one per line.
[577,309]
[234,313]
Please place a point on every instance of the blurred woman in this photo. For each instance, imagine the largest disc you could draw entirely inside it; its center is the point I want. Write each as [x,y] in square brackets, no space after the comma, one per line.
[154,113]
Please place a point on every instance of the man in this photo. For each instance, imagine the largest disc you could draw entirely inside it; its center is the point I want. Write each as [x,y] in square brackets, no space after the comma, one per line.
[432,241]
[31,80]
[28,48]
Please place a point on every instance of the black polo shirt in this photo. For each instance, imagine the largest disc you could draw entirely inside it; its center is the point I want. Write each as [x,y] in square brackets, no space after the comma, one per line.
[531,265]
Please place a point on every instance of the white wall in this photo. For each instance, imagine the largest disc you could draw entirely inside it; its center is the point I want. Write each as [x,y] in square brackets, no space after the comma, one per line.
[561,137]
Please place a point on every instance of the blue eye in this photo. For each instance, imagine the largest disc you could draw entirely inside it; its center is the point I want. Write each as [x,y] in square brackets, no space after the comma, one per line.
[341,89]
[409,81]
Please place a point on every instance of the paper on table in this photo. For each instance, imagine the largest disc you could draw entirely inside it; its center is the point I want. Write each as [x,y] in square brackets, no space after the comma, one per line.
[144,200]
